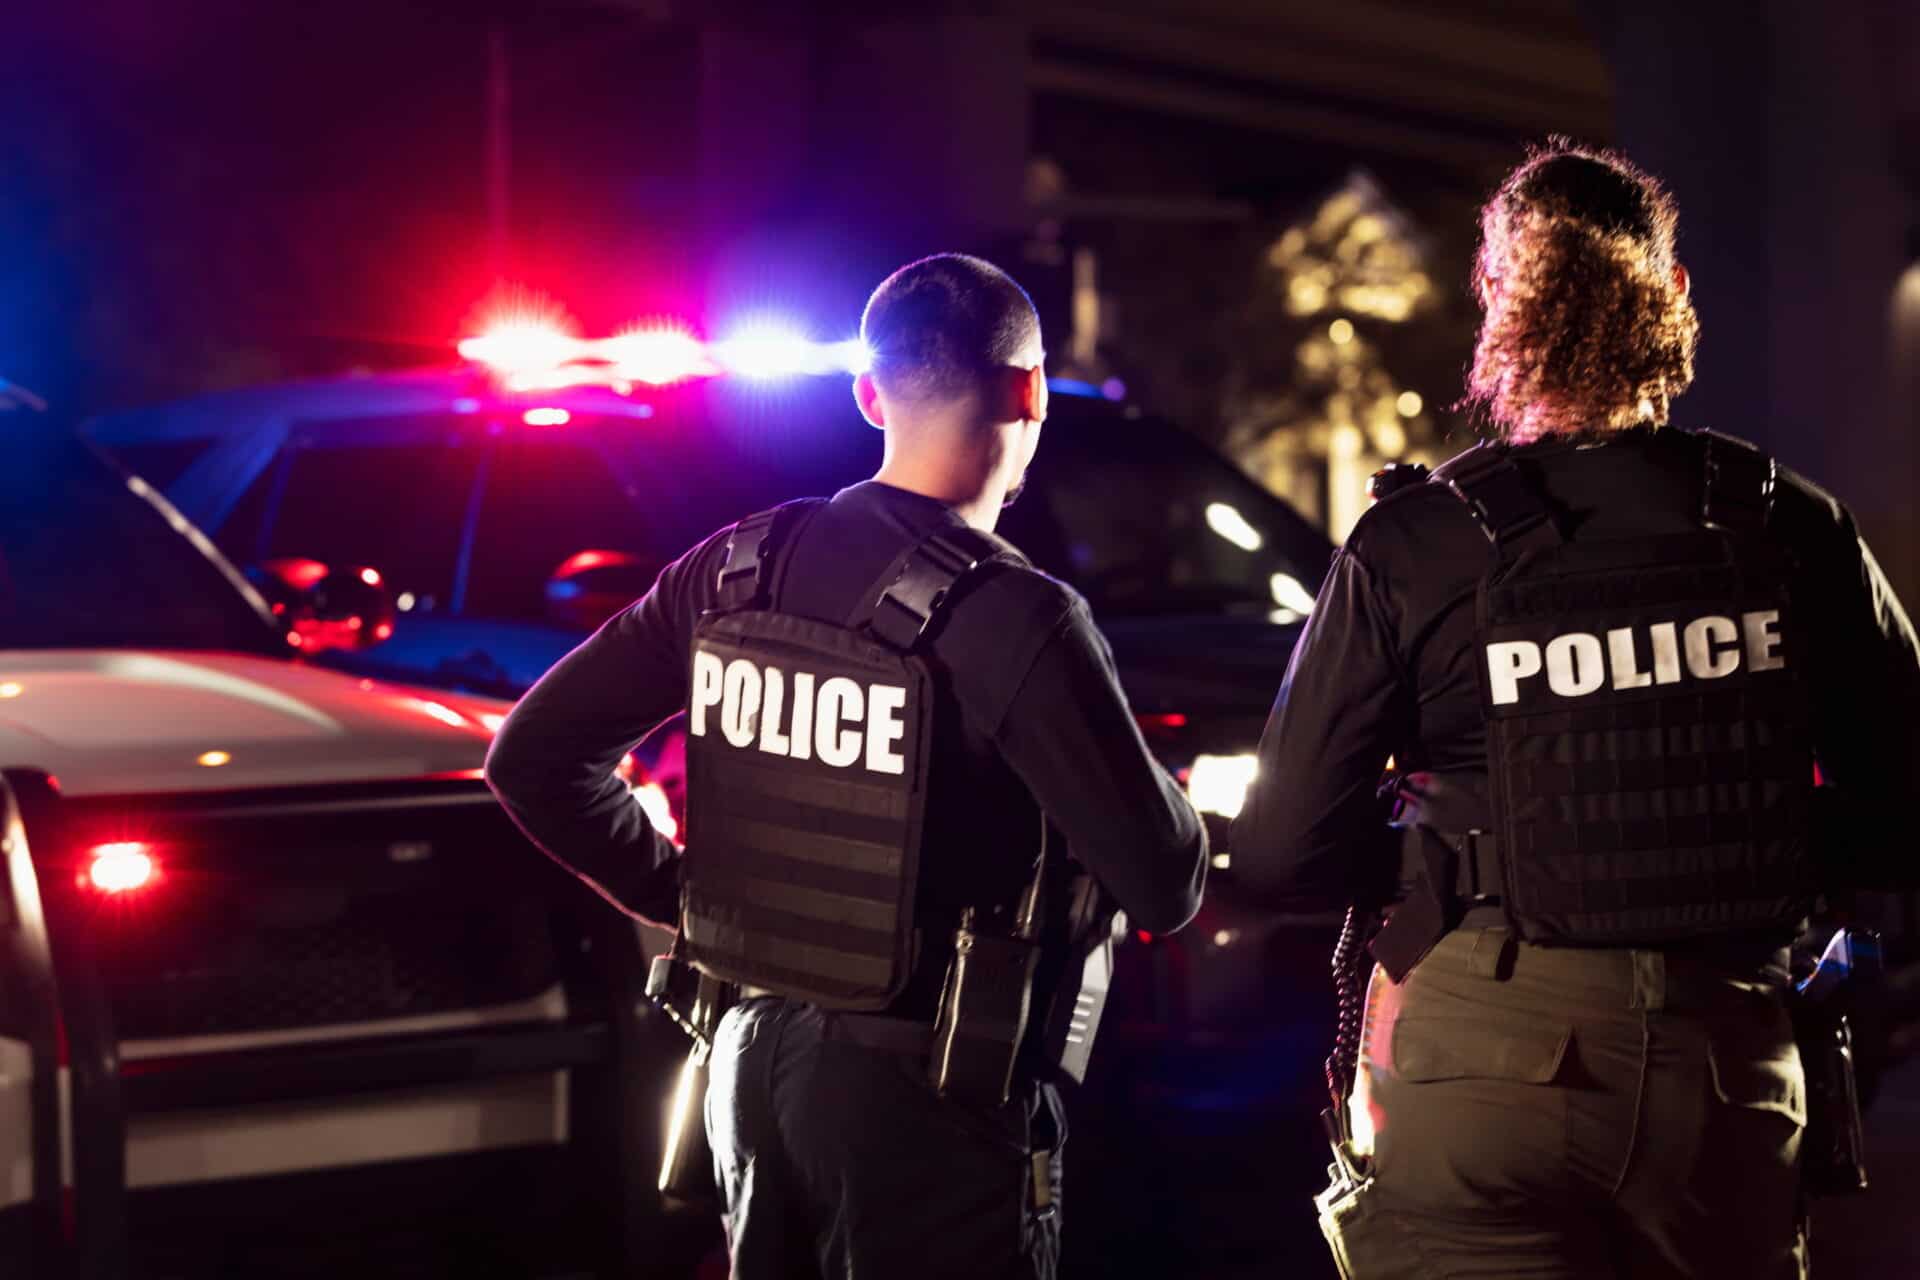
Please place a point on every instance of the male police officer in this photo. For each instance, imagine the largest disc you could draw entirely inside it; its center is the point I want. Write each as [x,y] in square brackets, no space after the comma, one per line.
[883,700]
[1605,656]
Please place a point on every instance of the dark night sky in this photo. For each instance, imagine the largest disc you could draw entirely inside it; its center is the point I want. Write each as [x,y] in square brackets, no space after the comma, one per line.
[231,192]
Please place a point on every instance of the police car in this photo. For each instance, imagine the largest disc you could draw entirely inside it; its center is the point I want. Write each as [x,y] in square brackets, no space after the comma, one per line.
[273,965]
[518,498]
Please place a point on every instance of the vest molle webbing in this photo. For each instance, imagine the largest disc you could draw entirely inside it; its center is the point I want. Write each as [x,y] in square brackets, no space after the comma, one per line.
[1650,764]
[807,756]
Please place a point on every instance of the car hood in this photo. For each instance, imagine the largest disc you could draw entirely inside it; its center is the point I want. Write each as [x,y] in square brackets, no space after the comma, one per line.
[129,722]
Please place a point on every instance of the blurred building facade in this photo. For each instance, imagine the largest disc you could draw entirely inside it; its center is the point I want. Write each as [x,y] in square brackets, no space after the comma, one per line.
[1223,205]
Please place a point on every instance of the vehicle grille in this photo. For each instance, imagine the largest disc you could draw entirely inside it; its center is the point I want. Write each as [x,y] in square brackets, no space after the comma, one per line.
[385,959]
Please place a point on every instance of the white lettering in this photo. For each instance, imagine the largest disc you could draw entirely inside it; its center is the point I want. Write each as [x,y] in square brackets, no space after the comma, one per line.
[740,702]
[803,715]
[1703,636]
[1575,666]
[840,701]
[772,740]
[885,727]
[1508,663]
[1666,653]
[1626,666]
[1762,630]
[706,689]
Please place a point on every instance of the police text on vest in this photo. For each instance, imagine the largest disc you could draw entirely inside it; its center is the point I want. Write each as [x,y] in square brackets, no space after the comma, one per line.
[834,718]
[1579,662]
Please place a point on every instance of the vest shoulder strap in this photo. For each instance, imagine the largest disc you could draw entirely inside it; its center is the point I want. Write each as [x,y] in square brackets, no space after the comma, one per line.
[745,580]
[910,595]
[1737,485]
[1503,502]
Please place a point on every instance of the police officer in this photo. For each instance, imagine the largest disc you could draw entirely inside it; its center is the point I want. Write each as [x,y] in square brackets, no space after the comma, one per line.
[1604,655]
[883,700]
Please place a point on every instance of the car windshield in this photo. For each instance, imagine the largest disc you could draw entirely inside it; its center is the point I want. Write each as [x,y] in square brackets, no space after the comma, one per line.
[1143,519]
[86,562]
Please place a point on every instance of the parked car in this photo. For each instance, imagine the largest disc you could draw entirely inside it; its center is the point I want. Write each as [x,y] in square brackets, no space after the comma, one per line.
[512,509]
[273,965]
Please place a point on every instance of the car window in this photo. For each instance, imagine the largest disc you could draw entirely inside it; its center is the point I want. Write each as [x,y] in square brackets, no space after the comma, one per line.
[548,498]
[397,508]
[86,562]
[1142,520]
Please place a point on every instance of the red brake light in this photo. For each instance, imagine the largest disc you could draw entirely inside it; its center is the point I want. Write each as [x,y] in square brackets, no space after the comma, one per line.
[121,866]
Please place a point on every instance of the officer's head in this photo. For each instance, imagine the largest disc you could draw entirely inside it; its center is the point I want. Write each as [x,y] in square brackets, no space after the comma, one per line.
[1588,326]
[957,378]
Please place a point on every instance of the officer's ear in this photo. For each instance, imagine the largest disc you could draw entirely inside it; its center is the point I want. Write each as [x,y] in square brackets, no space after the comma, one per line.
[1030,394]
[1682,281]
[866,394]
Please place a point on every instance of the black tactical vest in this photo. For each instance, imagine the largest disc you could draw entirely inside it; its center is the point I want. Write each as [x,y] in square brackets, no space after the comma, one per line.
[807,757]
[1648,751]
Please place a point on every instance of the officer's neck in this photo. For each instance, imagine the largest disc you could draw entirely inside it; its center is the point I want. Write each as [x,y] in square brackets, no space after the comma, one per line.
[971,499]
[967,474]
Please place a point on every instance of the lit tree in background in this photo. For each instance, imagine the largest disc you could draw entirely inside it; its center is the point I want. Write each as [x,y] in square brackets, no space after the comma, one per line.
[1354,349]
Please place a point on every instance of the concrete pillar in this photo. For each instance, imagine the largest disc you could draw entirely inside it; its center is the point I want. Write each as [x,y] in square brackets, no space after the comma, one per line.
[1776,134]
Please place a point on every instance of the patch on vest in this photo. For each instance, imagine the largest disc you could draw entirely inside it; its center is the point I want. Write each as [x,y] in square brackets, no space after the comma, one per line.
[1577,664]
[796,714]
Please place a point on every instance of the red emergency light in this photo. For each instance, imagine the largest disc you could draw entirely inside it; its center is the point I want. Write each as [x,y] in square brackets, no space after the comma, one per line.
[120,866]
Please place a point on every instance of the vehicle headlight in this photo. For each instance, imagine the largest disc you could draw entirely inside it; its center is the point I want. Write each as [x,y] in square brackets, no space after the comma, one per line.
[1218,784]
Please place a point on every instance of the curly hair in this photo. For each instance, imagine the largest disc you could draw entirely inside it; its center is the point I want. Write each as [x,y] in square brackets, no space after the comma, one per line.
[1588,326]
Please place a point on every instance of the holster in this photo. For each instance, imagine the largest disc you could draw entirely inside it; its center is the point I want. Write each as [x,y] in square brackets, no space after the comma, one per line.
[1367,1243]
[696,1004]
[1427,913]
[1833,1148]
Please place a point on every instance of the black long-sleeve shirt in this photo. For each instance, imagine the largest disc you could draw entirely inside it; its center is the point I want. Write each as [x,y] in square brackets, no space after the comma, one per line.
[1387,667]
[1031,708]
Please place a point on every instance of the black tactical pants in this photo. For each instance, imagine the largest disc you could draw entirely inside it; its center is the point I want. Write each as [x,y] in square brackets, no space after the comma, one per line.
[1582,1114]
[838,1160]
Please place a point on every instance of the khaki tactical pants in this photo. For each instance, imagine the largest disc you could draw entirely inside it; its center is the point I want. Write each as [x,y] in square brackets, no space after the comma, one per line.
[1550,1113]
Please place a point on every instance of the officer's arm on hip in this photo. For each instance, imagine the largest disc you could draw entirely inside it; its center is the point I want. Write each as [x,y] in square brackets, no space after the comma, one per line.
[1311,826]
[1069,735]
[552,763]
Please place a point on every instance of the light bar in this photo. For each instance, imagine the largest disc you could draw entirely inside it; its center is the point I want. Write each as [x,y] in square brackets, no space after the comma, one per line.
[531,357]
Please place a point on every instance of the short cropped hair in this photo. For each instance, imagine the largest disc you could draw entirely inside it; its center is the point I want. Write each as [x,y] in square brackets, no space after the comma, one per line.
[1587,328]
[935,328]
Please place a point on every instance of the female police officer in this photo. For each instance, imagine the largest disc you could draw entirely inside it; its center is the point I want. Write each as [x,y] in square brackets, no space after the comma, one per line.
[1606,655]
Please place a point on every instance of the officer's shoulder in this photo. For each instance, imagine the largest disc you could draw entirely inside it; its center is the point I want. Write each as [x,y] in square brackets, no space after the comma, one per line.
[1408,516]
[1007,596]
[1805,515]
[1012,577]
[1795,495]
[1798,502]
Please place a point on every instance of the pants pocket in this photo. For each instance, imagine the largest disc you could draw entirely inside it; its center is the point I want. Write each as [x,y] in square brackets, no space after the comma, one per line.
[1465,1113]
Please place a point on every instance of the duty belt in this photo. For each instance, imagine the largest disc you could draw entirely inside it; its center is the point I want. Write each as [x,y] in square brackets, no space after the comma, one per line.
[1476,862]
[908,1036]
